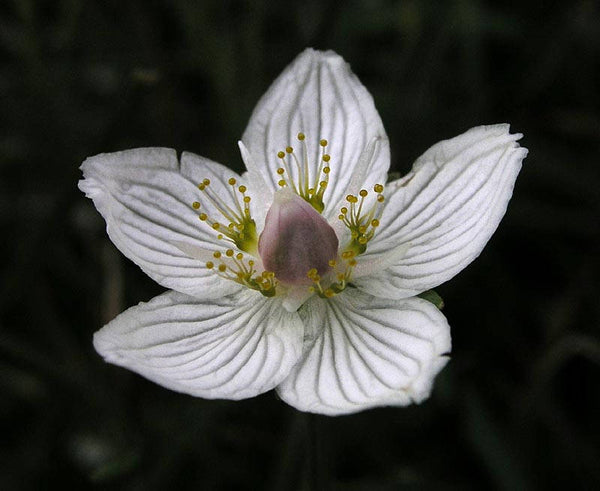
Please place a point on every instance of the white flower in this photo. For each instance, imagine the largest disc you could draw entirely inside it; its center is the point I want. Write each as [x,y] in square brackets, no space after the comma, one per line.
[301,274]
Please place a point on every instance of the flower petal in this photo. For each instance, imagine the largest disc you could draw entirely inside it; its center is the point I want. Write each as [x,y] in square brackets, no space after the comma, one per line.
[367,352]
[318,95]
[146,200]
[233,347]
[446,209]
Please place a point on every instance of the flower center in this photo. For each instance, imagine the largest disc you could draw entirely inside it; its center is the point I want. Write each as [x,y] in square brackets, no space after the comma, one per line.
[296,239]
[297,247]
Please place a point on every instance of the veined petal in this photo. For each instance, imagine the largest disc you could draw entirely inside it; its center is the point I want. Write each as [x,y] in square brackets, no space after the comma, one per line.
[446,208]
[145,198]
[318,95]
[365,352]
[232,347]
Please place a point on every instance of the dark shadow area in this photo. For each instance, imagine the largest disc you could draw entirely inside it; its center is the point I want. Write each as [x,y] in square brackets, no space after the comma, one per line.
[516,408]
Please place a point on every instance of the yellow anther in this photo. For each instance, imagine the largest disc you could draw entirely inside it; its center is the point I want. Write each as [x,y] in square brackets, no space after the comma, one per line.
[289,149]
[251,263]
[332,263]
[374,222]
[216,254]
[352,262]
[206,182]
[222,268]
[280,171]
[201,187]
[210,265]
[344,210]
[282,182]
[195,205]
[301,136]
[216,225]
[323,143]
[326,158]
[247,199]
[326,170]
[362,240]
[242,189]
[341,217]
[329,293]
[239,256]
[363,193]
[280,154]
[378,188]
[351,198]
[323,184]
[232,181]
[362,229]
[203,216]
[380,198]
[229,252]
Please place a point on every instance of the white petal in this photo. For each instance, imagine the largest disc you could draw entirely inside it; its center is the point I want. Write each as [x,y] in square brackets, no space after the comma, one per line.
[318,95]
[367,352]
[233,347]
[146,200]
[447,209]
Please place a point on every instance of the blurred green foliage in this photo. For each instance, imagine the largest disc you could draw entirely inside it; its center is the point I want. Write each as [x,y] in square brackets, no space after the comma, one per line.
[517,407]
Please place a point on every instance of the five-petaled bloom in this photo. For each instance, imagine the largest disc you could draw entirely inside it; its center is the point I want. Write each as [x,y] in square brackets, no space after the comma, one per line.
[301,274]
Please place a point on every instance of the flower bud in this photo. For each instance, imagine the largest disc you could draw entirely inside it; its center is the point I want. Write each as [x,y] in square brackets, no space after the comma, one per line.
[296,239]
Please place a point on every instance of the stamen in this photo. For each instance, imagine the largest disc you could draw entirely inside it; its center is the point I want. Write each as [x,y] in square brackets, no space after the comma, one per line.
[311,188]
[239,228]
[362,224]
[234,267]
[343,274]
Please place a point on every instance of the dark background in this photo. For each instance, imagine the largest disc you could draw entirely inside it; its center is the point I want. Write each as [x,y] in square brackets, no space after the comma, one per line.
[518,405]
